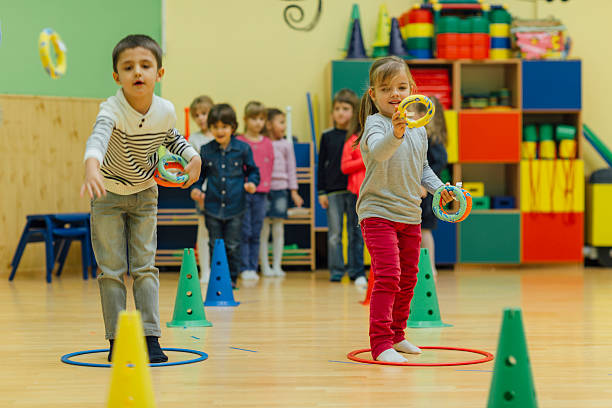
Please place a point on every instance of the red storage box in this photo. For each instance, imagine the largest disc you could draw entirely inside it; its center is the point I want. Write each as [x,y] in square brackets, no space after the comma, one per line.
[480,53]
[465,51]
[481,40]
[444,40]
[552,237]
[464,39]
[489,136]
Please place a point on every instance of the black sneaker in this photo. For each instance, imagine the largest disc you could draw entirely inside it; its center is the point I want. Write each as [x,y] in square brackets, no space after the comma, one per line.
[156,354]
[110,349]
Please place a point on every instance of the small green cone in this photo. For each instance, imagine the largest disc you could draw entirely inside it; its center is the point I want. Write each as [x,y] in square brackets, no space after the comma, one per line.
[512,382]
[188,307]
[354,16]
[424,309]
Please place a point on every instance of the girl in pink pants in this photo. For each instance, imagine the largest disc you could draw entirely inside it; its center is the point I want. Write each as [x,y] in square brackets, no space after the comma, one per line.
[389,203]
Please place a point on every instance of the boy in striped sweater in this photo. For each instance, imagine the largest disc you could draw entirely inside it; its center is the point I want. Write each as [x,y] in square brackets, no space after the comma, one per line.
[120,158]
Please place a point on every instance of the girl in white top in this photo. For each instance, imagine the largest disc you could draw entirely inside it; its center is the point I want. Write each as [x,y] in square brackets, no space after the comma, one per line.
[199,109]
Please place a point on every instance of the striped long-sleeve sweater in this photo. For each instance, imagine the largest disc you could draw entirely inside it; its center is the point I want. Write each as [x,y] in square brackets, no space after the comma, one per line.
[125,142]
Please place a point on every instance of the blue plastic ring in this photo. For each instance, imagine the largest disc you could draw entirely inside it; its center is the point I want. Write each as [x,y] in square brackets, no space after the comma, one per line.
[66,358]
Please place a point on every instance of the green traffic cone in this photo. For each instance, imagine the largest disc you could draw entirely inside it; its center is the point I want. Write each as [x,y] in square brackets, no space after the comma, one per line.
[349,33]
[424,309]
[512,383]
[188,307]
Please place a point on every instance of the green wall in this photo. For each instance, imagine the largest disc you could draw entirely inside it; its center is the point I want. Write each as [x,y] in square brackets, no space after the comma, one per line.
[89,28]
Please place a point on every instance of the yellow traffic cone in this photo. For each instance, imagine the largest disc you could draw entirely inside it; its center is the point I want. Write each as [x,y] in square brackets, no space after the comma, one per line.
[130,376]
[383,29]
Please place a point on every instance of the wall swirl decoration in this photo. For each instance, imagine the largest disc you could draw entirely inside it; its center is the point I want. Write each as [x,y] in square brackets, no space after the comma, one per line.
[294,15]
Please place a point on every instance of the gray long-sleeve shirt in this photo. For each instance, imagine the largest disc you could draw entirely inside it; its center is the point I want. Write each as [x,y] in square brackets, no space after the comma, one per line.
[395,170]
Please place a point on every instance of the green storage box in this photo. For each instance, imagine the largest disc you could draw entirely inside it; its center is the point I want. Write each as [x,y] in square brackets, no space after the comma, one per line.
[465,26]
[546,132]
[490,238]
[481,203]
[480,25]
[447,24]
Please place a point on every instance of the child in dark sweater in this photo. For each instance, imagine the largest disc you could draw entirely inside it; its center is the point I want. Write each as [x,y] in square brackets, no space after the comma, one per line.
[333,194]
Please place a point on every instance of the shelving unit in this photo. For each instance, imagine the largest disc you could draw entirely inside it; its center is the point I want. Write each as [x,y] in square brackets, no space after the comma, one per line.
[484,145]
[177,222]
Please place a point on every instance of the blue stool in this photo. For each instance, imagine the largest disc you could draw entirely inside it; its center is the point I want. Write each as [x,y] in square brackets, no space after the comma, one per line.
[38,228]
[57,231]
[70,227]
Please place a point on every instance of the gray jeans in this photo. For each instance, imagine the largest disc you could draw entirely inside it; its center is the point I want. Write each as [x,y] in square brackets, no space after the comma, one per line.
[124,238]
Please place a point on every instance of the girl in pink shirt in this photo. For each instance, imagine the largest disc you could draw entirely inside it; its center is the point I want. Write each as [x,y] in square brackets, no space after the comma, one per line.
[284,179]
[263,154]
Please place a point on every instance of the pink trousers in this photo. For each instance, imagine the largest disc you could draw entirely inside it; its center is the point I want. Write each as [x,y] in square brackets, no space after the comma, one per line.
[394,249]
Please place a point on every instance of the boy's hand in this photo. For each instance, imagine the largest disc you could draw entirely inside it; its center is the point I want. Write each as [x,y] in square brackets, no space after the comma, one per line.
[323,201]
[423,192]
[446,196]
[193,170]
[399,124]
[296,198]
[198,196]
[94,181]
[250,187]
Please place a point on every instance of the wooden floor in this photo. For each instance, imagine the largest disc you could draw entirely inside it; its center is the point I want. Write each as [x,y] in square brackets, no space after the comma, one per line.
[299,330]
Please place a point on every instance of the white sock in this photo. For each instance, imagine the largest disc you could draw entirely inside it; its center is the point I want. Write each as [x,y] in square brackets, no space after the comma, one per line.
[405,346]
[264,238]
[391,356]
[278,241]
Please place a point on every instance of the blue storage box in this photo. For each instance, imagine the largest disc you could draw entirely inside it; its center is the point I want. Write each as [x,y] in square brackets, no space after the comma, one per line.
[552,85]
[505,202]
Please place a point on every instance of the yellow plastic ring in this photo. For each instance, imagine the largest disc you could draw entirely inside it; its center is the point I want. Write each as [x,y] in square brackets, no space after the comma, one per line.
[420,30]
[47,37]
[499,53]
[431,110]
[500,30]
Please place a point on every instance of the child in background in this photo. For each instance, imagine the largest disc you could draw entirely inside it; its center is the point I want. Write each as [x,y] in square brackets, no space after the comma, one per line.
[437,158]
[199,109]
[334,196]
[120,157]
[284,179]
[389,203]
[352,162]
[263,153]
[226,163]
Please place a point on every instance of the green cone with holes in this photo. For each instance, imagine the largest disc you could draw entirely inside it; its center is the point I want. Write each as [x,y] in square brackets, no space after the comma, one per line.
[188,306]
[424,309]
[512,383]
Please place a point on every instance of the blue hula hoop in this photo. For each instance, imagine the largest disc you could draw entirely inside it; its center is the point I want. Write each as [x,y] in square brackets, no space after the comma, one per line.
[66,358]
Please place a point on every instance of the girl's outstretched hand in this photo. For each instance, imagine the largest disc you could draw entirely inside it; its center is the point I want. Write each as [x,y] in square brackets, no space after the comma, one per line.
[399,124]
[446,196]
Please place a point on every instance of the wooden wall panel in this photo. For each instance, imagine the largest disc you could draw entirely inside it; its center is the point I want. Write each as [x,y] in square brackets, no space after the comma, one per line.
[42,141]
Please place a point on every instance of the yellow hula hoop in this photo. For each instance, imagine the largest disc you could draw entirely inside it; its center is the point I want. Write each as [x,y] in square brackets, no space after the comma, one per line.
[47,37]
[431,110]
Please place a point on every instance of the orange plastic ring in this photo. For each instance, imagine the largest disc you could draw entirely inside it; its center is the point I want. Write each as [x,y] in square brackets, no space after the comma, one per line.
[487,357]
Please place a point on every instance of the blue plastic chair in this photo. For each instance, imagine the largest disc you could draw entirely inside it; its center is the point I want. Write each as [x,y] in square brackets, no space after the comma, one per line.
[57,231]
[38,228]
[68,228]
